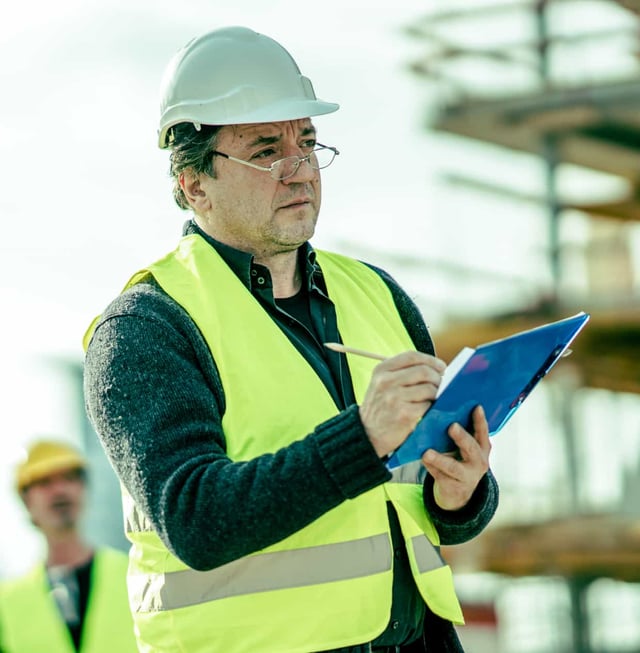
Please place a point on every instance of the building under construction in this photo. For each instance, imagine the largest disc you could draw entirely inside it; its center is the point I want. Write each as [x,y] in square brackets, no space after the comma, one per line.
[557,81]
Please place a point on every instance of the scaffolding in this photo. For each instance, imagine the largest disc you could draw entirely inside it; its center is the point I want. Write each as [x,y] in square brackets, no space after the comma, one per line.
[565,115]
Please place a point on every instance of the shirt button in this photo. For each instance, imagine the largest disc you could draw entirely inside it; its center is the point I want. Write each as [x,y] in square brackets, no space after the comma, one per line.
[395,625]
[261,280]
[253,273]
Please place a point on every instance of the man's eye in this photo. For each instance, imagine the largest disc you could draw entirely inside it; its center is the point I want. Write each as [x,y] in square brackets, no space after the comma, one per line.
[309,145]
[265,154]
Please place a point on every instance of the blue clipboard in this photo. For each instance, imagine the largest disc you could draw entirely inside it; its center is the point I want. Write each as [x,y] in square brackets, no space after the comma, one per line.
[499,375]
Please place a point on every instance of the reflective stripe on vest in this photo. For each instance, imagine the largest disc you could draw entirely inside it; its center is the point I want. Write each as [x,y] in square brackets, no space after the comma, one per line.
[291,596]
[271,571]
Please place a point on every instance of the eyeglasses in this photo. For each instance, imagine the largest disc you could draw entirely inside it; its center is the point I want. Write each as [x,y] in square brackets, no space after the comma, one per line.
[321,157]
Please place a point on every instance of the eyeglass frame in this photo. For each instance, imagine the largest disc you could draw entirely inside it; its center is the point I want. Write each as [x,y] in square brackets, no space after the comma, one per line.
[299,160]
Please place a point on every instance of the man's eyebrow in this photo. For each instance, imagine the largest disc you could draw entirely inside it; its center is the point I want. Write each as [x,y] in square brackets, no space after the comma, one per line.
[270,140]
[263,140]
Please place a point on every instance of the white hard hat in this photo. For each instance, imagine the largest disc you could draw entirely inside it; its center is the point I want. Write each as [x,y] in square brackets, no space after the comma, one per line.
[234,76]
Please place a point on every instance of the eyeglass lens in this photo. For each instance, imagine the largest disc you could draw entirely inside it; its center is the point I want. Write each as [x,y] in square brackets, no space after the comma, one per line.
[287,167]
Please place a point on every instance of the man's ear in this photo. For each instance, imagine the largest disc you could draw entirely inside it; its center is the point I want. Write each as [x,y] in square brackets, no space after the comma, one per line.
[193,191]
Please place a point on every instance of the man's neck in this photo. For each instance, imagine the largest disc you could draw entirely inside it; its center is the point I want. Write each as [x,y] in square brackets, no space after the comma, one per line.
[283,266]
[67,549]
[285,273]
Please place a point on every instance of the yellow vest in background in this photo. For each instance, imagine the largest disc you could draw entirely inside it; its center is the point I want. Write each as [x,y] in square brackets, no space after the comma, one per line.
[328,585]
[31,623]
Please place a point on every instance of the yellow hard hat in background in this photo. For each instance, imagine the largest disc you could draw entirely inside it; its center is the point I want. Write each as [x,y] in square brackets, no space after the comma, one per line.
[47,457]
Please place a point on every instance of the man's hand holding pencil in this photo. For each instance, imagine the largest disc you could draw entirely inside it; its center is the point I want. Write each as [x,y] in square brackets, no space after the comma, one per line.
[401,390]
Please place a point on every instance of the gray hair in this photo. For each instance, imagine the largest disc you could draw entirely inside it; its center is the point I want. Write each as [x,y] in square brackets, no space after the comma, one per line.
[190,150]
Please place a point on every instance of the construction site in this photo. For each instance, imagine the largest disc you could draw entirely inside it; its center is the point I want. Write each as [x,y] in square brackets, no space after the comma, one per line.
[555,84]
[529,114]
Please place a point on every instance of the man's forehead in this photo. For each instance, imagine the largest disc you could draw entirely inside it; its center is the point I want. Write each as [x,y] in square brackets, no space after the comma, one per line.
[250,132]
[66,473]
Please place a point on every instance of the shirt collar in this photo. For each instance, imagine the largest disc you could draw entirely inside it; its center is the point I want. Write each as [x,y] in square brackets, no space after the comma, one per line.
[242,262]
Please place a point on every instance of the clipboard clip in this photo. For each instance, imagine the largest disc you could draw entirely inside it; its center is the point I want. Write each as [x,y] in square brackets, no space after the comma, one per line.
[555,355]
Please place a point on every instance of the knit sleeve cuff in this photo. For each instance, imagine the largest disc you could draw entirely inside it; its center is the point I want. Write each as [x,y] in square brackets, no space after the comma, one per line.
[348,456]
[457,526]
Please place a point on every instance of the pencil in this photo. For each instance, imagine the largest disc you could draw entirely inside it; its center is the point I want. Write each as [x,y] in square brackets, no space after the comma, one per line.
[352,350]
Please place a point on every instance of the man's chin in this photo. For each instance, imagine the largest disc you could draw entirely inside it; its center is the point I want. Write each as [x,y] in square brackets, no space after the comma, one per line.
[292,241]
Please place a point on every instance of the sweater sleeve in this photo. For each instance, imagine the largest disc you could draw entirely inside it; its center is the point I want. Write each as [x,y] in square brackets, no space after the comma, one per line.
[454,527]
[154,397]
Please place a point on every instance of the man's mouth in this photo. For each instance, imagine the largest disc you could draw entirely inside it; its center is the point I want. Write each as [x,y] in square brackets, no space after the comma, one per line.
[61,504]
[294,204]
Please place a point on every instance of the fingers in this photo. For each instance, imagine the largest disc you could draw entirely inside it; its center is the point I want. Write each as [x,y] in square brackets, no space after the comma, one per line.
[457,478]
[414,358]
[474,445]
[481,429]
[411,369]
[401,390]
[442,465]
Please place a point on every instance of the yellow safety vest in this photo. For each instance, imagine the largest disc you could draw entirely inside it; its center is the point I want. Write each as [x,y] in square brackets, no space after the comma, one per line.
[31,623]
[329,584]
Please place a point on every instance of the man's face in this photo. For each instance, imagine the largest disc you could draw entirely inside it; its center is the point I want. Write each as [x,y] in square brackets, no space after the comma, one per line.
[55,502]
[248,209]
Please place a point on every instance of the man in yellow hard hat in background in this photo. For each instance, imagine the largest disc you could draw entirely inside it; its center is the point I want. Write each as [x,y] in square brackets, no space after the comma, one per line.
[77,599]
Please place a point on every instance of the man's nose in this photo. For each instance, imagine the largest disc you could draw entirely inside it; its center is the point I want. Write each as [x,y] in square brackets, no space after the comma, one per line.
[304,172]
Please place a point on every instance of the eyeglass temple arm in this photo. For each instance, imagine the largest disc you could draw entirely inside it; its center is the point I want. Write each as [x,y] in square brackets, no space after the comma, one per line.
[246,163]
[328,147]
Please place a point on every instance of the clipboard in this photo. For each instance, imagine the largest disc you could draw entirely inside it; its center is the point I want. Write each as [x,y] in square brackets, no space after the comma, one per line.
[499,375]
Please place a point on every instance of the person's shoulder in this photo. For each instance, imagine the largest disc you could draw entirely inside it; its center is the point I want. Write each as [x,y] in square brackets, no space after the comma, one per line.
[408,309]
[143,320]
[109,578]
[146,295]
[25,581]
[146,300]
[381,272]
[111,558]
[111,553]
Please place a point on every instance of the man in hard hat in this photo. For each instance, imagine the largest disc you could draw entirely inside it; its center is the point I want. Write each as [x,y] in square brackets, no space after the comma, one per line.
[77,599]
[260,510]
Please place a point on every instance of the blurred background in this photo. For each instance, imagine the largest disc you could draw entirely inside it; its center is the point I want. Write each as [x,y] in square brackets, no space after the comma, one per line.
[490,161]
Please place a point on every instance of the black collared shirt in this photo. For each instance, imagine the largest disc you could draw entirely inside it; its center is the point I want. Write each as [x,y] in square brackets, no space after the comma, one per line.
[309,319]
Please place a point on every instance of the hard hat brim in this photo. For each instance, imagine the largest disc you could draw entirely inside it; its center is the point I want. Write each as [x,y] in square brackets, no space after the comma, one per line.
[204,114]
